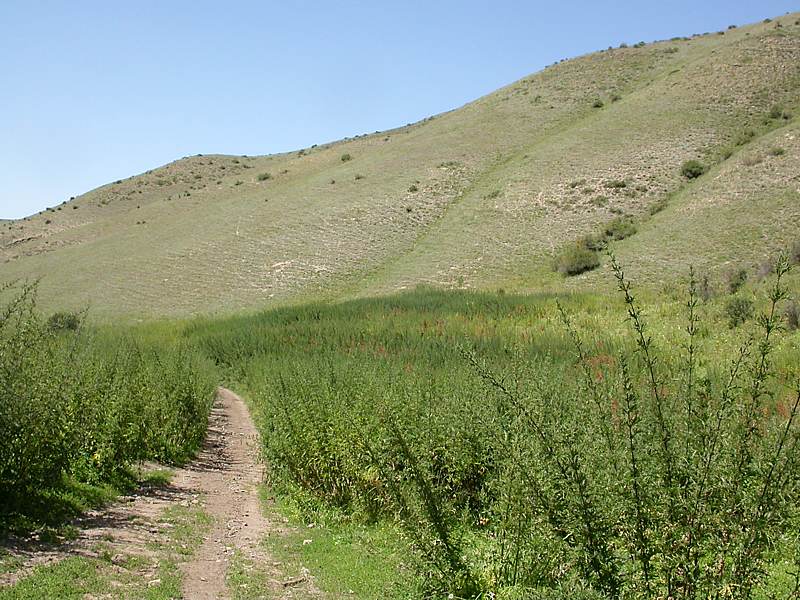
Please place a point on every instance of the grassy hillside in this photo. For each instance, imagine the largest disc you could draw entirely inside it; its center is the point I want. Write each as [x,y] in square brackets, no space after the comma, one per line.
[483,196]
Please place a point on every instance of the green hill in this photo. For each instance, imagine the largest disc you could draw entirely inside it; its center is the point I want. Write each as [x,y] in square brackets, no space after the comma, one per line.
[483,196]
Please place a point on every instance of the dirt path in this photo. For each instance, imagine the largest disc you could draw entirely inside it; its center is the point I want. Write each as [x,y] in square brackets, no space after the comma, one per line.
[227,474]
[222,483]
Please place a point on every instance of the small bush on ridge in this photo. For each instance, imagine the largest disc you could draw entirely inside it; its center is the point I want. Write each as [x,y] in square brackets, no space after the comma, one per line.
[577,259]
[620,228]
[692,169]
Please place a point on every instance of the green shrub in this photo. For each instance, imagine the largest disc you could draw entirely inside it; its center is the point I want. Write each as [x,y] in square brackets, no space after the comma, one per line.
[736,278]
[620,228]
[658,205]
[345,157]
[752,160]
[598,103]
[738,310]
[692,169]
[413,188]
[616,184]
[265,176]
[61,321]
[577,259]
[744,137]
[777,151]
[595,241]
[705,289]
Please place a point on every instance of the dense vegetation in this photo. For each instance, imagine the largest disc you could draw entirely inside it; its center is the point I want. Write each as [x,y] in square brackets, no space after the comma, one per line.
[80,408]
[652,460]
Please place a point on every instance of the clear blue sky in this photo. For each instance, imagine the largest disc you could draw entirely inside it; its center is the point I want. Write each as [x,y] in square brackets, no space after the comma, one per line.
[95,91]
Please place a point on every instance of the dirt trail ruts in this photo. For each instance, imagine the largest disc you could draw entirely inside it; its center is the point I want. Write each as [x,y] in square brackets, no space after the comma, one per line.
[227,474]
[224,481]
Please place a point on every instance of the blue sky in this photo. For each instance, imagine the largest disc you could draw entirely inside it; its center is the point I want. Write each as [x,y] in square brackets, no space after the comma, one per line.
[93,91]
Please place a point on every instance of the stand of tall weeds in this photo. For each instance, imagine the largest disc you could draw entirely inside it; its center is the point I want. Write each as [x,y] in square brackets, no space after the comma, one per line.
[528,462]
[82,406]
[660,476]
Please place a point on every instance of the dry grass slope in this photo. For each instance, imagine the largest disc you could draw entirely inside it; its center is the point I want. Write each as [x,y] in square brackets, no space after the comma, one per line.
[482,196]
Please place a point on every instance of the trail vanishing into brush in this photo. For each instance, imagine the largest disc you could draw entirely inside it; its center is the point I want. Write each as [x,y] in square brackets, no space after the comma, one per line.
[222,481]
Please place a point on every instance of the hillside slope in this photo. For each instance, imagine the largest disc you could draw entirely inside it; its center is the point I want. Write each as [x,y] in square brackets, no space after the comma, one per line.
[482,196]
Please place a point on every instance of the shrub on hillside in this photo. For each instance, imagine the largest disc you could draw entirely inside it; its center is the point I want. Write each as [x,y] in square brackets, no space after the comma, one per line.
[764,270]
[744,137]
[735,279]
[61,321]
[738,310]
[594,241]
[264,176]
[658,205]
[345,157]
[692,169]
[705,289]
[752,160]
[577,259]
[620,228]
[776,112]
